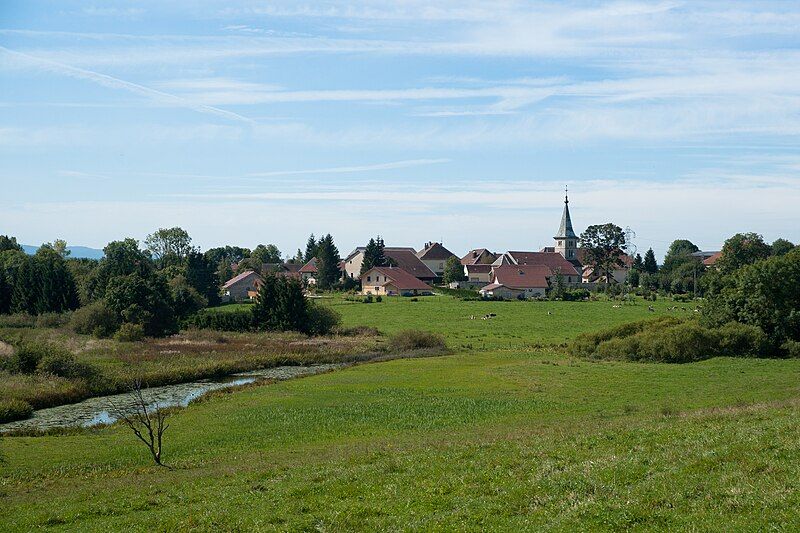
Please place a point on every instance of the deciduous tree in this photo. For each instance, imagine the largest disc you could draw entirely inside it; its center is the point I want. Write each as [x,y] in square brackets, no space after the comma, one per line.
[604,245]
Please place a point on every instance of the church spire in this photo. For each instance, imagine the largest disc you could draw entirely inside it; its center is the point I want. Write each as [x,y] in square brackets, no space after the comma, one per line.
[565,231]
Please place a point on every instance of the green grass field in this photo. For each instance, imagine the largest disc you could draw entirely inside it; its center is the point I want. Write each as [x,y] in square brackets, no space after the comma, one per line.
[505,435]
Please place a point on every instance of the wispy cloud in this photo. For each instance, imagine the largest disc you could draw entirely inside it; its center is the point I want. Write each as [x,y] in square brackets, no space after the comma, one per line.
[116,83]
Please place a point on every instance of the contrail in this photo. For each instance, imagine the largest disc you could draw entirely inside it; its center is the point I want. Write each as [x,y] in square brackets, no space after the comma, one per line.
[116,83]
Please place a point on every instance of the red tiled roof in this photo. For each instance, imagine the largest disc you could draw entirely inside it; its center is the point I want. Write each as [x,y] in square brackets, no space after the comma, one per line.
[478,268]
[310,267]
[709,261]
[553,260]
[407,259]
[522,277]
[473,256]
[434,251]
[236,279]
[400,278]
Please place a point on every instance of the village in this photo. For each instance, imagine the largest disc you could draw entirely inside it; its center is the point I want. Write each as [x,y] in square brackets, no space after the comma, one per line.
[405,271]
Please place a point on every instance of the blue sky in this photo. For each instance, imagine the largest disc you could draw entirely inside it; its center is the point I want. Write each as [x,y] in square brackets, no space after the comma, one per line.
[248,122]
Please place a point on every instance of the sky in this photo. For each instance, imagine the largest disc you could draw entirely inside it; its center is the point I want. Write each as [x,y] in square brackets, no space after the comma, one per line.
[249,122]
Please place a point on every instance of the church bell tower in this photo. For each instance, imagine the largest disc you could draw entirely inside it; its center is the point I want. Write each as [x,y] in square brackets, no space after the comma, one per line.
[566,240]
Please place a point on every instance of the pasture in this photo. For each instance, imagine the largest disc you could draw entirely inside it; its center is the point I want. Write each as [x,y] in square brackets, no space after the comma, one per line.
[505,434]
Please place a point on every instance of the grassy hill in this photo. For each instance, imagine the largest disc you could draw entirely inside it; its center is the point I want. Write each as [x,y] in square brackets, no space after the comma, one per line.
[505,435]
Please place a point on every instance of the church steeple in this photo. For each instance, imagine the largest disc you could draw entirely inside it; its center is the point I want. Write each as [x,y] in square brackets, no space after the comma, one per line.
[566,240]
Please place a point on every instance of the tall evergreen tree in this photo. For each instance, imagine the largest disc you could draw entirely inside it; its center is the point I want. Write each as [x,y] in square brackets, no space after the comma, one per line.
[311,249]
[328,259]
[265,309]
[27,290]
[201,275]
[650,264]
[638,263]
[58,291]
[5,294]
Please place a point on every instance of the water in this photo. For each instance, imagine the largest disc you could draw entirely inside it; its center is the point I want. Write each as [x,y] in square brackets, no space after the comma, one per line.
[96,411]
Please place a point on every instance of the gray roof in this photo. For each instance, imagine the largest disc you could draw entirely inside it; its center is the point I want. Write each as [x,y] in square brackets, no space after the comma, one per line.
[565,230]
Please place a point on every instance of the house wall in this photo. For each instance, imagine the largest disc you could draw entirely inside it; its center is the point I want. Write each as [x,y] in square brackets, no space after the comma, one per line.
[352,267]
[436,266]
[480,277]
[239,291]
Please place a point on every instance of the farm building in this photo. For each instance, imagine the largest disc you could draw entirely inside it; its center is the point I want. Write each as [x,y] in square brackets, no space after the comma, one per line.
[241,287]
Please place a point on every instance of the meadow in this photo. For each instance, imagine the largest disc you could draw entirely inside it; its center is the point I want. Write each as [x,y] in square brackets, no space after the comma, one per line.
[507,433]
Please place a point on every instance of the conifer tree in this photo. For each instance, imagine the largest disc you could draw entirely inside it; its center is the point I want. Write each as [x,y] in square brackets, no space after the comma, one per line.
[328,259]
[311,249]
[650,264]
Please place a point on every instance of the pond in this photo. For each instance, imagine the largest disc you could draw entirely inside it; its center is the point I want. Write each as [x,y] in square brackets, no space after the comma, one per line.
[99,410]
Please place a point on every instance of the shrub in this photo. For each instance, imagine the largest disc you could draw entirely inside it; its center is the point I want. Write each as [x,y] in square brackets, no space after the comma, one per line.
[322,320]
[94,319]
[367,299]
[63,364]
[27,356]
[240,320]
[357,331]
[129,333]
[585,344]
[52,320]
[791,348]
[672,342]
[414,339]
[18,320]
[379,298]
[742,340]
[13,409]
[575,295]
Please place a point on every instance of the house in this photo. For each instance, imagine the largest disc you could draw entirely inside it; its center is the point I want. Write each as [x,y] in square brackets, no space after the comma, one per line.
[291,270]
[709,259]
[308,272]
[241,287]
[402,257]
[392,281]
[435,256]
[515,281]
[478,273]
[554,261]
[618,275]
[479,256]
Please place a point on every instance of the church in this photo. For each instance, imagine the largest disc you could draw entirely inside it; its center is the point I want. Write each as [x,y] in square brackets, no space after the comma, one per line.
[518,274]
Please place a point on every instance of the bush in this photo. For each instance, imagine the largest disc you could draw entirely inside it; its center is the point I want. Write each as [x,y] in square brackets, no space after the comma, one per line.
[676,342]
[322,320]
[52,320]
[414,339]
[791,348]
[18,320]
[13,409]
[27,356]
[367,299]
[129,333]
[240,320]
[576,295]
[585,344]
[742,340]
[94,319]
[63,364]
[357,331]
[379,298]
[462,294]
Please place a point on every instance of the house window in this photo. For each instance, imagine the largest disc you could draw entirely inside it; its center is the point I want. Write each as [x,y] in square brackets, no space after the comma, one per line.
[369,278]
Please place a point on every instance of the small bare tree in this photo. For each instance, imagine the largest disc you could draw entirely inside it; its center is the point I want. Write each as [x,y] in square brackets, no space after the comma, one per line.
[148,424]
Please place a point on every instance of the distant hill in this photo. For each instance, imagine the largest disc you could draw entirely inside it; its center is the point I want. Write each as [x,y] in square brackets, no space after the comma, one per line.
[78,252]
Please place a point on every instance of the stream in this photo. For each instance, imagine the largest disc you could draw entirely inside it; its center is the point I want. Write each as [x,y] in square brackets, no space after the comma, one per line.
[96,411]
